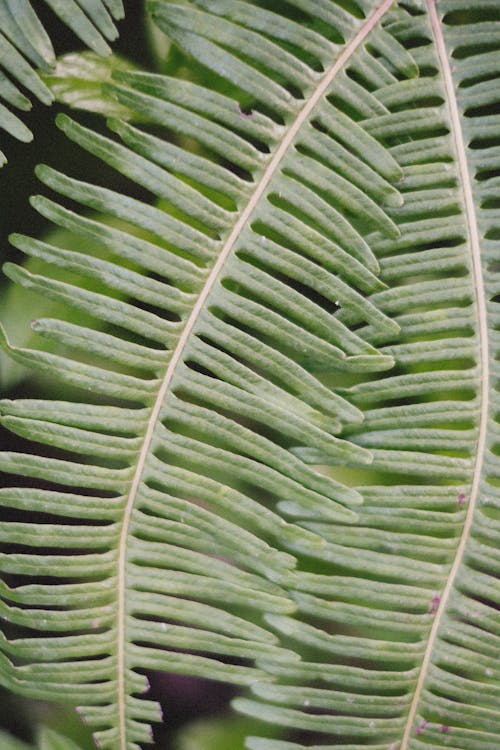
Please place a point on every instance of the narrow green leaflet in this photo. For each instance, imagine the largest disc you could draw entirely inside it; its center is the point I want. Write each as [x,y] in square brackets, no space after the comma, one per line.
[76,79]
[282,472]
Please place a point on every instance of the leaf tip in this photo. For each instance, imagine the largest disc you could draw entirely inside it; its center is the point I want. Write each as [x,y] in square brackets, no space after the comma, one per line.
[63,121]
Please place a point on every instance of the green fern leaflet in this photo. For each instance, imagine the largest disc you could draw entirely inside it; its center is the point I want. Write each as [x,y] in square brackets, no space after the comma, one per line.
[25,47]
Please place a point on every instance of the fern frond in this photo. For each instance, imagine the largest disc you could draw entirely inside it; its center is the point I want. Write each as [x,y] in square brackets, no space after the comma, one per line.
[290,483]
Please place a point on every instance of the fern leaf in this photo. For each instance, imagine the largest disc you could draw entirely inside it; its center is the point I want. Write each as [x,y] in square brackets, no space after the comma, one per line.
[284,466]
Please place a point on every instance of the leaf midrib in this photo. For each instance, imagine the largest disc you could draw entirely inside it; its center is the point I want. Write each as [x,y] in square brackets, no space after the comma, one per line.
[260,188]
[477,276]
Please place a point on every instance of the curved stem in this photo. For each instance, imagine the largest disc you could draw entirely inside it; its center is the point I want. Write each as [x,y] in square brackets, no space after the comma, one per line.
[264,181]
[460,147]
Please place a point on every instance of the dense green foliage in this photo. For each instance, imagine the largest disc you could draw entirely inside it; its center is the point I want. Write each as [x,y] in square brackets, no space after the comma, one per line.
[271,459]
